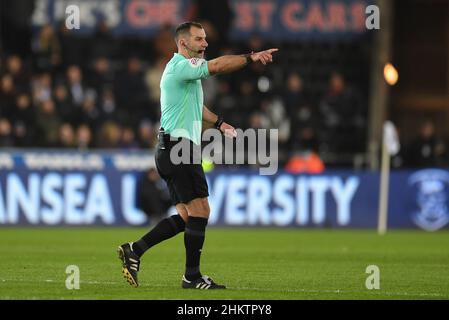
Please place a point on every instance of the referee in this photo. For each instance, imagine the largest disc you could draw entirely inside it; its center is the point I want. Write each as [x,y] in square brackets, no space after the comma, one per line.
[182,112]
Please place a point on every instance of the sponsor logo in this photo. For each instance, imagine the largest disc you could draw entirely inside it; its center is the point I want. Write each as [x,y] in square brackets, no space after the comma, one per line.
[432,187]
[196,62]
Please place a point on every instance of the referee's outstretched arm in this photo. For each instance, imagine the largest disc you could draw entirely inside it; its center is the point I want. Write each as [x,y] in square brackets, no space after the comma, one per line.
[230,63]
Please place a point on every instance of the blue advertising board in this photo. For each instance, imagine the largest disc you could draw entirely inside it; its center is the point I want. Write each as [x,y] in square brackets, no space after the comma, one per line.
[272,19]
[83,189]
[71,188]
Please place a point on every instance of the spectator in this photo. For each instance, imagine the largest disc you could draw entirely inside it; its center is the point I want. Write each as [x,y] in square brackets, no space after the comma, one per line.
[102,43]
[303,135]
[248,100]
[398,160]
[23,121]
[48,123]
[218,12]
[274,110]
[71,46]
[41,87]
[147,135]
[152,80]
[304,139]
[89,112]
[128,139]
[75,84]
[66,136]
[7,95]
[131,91]
[342,116]
[305,162]
[14,66]
[109,136]
[63,104]
[6,137]
[294,96]
[427,150]
[225,101]
[101,75]
[164,47]
[109,107]
[152,195]
[259,121]
[47,49]
[83,138]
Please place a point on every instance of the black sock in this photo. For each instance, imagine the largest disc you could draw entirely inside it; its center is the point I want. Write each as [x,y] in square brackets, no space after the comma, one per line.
[193,241]
[165,229]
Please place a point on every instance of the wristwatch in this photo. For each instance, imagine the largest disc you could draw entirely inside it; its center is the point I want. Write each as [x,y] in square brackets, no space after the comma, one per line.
[218,123]
[248,57]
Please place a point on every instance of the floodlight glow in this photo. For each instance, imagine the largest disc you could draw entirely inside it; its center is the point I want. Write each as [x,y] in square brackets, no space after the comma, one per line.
[391,74]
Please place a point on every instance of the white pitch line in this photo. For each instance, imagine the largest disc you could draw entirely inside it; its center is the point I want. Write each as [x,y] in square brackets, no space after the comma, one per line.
[343,291]
[338,291]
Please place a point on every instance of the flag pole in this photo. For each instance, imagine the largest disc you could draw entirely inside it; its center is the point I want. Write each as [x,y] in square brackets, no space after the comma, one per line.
[383,192]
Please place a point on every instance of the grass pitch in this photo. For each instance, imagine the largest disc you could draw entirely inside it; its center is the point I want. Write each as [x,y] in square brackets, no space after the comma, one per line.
[253,263]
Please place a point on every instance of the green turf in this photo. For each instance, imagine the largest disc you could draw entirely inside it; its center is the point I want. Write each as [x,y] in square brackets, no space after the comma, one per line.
[253,263]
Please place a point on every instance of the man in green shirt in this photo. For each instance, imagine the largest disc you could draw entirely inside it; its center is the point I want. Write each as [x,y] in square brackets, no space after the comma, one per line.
[182,113]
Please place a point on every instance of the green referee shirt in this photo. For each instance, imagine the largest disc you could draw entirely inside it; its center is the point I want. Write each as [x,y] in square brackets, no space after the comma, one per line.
[182,97]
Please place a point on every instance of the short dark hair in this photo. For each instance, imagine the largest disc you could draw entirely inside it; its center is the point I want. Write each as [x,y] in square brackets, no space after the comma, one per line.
[185,28]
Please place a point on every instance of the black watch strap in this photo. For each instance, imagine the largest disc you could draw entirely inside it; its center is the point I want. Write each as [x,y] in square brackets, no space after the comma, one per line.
[218,123]
[248,57]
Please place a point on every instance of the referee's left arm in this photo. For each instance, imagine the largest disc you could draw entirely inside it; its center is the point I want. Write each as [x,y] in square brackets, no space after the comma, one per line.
[209,116]
[218,123]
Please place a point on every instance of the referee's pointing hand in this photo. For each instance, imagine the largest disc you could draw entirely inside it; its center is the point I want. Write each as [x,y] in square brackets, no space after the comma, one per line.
[264,56]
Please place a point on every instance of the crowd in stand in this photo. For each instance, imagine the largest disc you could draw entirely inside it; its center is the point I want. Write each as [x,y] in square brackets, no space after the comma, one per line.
[100,92]
[77,93]
[103,92]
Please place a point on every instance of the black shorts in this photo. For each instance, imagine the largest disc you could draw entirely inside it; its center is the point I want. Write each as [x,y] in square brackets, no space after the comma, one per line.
[185,181]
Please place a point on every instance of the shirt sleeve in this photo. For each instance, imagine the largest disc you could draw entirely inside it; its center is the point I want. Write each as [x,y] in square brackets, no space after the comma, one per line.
[192,69]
